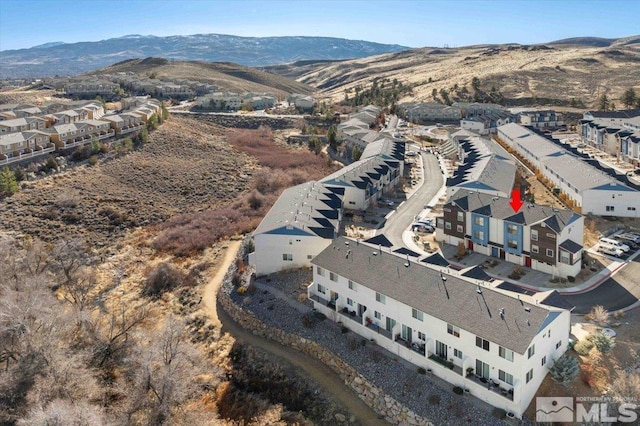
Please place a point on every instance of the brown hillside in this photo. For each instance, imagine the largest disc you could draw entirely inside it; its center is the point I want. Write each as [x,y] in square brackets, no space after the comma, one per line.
[523,74]
[227,76]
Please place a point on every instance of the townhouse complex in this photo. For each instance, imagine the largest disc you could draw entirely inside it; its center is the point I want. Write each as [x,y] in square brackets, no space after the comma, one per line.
[581,179]
[614,132]
[306,218]
[27,131]
[110,86]
[456,325]
[230,101]
[540,237]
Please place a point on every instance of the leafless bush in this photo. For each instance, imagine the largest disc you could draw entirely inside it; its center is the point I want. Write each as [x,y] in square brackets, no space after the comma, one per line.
[164,277]
[598,314]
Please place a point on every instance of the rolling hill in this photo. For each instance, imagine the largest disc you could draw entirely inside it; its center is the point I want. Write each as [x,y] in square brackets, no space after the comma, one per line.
[75,58]
[550,73]
[227,76]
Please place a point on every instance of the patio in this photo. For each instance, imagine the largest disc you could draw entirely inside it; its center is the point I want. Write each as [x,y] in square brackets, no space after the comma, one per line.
[492,385]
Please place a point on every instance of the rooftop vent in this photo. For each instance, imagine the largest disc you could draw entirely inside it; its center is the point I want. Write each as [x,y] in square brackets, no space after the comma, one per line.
[527,309]
[478,290]
[502,313]
[375,253]
[346,243]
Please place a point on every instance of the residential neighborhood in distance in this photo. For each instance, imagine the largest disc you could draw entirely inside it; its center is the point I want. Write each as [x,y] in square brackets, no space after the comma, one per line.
[348,214]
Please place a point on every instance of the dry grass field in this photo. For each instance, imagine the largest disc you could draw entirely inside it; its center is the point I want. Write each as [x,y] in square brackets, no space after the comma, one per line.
[555,72]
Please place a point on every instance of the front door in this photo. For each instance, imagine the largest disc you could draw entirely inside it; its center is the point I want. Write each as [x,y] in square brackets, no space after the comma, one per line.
[495,251]
[470,244]
[527,261]
[502,254]
[390,324]
[482,369]
[407,333]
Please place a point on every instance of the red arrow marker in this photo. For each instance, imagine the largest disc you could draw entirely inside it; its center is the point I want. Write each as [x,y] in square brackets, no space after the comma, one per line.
[515,202]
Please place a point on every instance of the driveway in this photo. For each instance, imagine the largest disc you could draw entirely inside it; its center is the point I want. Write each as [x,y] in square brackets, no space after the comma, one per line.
[398,222]
[618,292]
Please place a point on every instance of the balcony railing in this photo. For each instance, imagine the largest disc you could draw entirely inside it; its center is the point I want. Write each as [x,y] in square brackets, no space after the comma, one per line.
[417,347]
[375,327]
[492,385]
[34,153]
[351,315]
[445,363]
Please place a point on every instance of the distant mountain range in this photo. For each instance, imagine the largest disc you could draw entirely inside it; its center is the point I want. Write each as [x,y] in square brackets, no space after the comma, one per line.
[58,58]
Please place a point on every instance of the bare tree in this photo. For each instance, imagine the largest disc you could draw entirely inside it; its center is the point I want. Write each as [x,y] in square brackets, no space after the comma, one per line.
[111,334]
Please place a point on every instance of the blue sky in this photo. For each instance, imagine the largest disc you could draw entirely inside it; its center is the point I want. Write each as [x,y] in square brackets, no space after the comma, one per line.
[26,23]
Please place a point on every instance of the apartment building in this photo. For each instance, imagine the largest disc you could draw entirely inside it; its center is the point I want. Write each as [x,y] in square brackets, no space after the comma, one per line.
[494,344]
[379,170]
[589,188]
[542,119]
[484,166]
[302,222]
[23,145]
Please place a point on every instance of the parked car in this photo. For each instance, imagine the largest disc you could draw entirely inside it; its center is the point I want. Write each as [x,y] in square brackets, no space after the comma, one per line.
[411,153]
[630,237]
[627,240]
[610,250]
[389,203]
[423,227]
[615,243]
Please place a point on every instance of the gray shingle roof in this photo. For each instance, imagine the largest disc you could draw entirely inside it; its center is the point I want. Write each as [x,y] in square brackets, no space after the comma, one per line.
[455,301]
[499,208]
[310,208]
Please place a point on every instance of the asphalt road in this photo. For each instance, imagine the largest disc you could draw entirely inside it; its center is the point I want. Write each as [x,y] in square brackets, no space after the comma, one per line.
[398,222]
[619,291]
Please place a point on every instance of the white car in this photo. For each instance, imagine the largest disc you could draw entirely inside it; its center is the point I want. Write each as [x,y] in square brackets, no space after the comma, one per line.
[389,203]
[610,250]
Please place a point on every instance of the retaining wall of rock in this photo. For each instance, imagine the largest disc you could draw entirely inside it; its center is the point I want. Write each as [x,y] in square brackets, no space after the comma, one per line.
[390,409]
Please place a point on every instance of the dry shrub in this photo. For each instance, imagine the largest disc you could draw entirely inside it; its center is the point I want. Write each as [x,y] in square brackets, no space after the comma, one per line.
[164,277]
[191,232]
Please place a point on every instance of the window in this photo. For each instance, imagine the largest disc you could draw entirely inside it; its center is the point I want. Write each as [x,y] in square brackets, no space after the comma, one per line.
[309,256]
[381,298]
[534,249]
[447,225]
[534,235]
[505,353]
[320,271]
[631,208]
[481,343]
[421,336]
[453,330]
[460,216]
[377,315]
[349,302]
[512,244]
[333,277]
[549,252]
[479,221]
[610,208]
[321,289]
[287,257]
[531,351]
[419,315]
[512,229]
[460,228]
[558,344]
[564,257]
[505,377]
[478,235]
[457,353]
[529,375]
[550,235]
[544,360]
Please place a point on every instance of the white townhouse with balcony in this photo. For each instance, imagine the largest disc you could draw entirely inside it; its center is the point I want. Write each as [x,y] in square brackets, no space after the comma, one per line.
[540,237]
[592,190]
[302,222]
[497,345]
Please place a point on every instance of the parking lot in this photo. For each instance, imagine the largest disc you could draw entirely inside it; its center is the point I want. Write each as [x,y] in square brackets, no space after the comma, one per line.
[623,246]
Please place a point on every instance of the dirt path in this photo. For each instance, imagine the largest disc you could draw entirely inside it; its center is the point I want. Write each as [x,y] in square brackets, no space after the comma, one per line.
[315,370]
[211,289]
